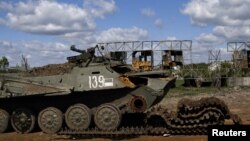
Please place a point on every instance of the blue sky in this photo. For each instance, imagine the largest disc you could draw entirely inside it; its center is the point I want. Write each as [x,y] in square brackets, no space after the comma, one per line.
[43,30]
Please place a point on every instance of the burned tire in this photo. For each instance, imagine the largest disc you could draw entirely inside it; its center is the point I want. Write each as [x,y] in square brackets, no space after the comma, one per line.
[23,120]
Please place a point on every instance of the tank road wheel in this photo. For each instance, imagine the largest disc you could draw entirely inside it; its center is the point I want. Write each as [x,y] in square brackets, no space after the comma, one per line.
[107,117]
[50,120]
[4,120]
[22,120]
[78,117]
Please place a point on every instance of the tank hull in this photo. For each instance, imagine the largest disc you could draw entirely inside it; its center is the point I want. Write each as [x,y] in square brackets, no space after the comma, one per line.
[119,97]
[63,104]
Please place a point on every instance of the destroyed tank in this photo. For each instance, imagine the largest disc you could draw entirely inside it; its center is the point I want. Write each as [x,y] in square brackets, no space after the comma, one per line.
[100,95]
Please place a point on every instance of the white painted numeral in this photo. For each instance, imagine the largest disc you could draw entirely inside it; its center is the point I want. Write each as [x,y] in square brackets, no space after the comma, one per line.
[101,81]
[96,81]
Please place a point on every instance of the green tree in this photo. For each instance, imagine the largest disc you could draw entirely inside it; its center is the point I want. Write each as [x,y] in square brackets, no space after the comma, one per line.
[4,63]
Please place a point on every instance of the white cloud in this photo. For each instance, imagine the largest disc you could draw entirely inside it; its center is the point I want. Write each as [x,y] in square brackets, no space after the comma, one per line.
[122,34]
[5,6]
[199,53]
[40,46]
[218,12]
[199,11]
[7,49]
[5,44]
[158,23]
[209,39]
[2,22]
[233,32]
[100,8]
[206,42]
[45,53]
[54,18]
[171,38]
[90,39]
[148,12]
[42,53]
[229,18]
[84,38]
[37,52]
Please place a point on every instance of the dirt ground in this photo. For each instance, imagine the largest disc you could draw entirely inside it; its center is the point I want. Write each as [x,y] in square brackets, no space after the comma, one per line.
[237,100]
[51,69]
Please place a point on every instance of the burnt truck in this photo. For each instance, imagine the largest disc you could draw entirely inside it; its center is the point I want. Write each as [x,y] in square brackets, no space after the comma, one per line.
[101,95]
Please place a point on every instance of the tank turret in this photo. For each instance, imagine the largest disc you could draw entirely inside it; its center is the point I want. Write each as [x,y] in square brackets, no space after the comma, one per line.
[86,56]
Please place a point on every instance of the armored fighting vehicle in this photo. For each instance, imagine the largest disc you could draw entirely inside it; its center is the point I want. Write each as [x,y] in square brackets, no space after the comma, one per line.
[100,95]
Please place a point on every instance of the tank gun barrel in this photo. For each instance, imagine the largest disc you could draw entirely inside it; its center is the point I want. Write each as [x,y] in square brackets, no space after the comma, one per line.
[73,48]
[85,56]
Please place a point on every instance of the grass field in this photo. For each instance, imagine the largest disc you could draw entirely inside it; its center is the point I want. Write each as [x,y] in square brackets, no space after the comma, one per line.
[180,90]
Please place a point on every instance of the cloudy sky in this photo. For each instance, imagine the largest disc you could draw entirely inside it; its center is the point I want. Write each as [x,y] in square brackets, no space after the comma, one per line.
[43,30]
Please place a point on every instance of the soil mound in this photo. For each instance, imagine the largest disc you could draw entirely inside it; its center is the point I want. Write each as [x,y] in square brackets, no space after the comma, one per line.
[51,69]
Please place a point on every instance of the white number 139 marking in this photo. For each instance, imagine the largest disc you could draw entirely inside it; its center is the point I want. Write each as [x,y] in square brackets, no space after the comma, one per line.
[96,81]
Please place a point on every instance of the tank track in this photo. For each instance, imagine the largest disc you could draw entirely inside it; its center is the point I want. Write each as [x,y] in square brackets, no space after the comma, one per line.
[191,118]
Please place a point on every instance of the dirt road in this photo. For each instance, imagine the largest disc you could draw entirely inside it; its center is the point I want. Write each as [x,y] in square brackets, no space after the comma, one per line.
[238,102]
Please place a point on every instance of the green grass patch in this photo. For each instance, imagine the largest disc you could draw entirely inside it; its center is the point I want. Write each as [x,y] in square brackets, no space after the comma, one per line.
[179,83]
[180,90]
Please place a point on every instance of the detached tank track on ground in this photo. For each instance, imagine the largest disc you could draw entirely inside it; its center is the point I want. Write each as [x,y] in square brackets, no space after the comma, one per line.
[191,118]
